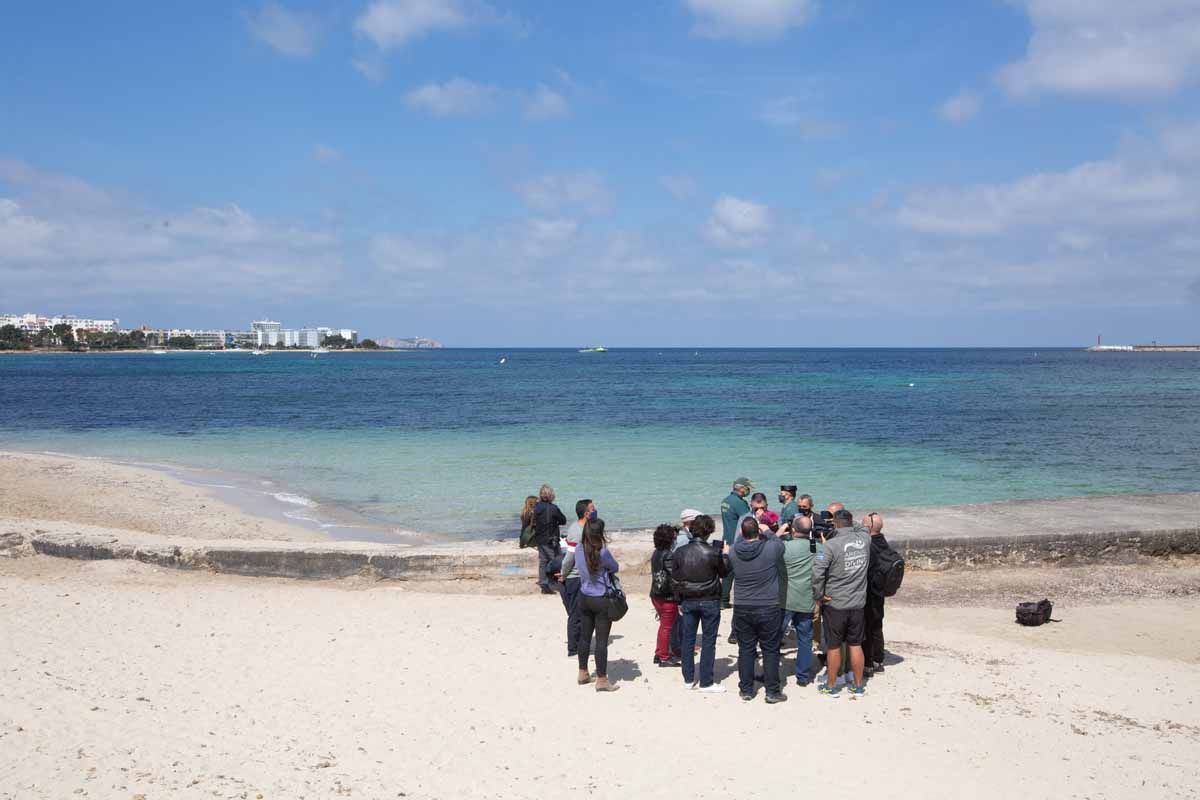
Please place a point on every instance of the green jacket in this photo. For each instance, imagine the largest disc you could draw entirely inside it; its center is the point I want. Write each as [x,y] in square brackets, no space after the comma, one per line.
[798,561]
[788,512]
[732,509]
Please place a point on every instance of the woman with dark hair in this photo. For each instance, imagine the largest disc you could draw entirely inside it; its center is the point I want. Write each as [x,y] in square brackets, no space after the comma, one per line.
[596,566]
[662,596]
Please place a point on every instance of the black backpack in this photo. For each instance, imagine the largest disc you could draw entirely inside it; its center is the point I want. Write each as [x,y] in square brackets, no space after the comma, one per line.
[889,570]
[660,582]
[1034,613]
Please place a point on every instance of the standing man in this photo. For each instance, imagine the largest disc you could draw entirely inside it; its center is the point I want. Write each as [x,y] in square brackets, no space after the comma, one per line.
[840,585]
[696,570]
[873,611]
[787,496]
[799,552]
[584,510]
[733,508]
[757,562]
[547,519]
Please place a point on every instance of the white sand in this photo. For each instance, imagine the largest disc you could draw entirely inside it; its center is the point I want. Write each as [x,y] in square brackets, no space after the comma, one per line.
[119,680]
[43,489]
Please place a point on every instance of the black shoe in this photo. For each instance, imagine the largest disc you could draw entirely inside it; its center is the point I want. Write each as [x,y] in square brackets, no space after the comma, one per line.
[878,668]
[747,696]
[778,697]
[667,662]
[732,639]
[548,590]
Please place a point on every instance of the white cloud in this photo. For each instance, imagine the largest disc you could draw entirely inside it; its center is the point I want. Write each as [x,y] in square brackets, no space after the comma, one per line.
[455,96]
[584,192]
[960,108]
[790,113]
[291,33]
[391,24]
[370,67]
[1112,194]
[325,153]
[58,234]
[1130,48]
[748,20]
[546,104]
[737,223]
[403,254]
[681,187]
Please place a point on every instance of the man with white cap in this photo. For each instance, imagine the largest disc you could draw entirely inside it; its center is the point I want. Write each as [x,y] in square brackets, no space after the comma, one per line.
[685,528]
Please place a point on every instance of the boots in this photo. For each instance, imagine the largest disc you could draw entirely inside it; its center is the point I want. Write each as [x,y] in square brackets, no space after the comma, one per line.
[584,677]
[602,685]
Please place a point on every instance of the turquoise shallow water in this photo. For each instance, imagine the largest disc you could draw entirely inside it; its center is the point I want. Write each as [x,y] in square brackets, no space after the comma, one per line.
[449,442]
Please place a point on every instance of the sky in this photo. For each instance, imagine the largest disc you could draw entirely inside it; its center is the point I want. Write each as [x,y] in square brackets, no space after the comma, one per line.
[652,173]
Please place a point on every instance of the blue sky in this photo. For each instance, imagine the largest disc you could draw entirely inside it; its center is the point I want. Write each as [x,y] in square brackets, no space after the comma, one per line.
[678,172]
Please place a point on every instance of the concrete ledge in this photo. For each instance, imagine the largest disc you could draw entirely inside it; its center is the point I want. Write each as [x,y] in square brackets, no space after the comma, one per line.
[503,561]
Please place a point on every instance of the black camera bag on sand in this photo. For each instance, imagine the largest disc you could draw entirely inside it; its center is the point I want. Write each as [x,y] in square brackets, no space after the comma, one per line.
[1034,613]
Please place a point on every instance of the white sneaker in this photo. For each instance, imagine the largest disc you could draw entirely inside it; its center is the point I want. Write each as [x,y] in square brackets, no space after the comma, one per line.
[687,687]
[714,688]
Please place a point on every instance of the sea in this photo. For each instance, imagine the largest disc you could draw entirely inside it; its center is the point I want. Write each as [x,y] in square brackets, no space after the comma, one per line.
[448,443]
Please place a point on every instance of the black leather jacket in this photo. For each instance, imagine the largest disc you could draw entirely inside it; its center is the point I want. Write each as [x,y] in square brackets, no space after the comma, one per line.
[696,570]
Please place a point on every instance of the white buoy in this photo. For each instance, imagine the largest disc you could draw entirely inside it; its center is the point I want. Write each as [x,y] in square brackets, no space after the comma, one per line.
[911,385]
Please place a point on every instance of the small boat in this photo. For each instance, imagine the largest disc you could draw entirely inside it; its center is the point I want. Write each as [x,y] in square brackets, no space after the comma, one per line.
[503,359]
[159,352]
[257,352]
[594,350]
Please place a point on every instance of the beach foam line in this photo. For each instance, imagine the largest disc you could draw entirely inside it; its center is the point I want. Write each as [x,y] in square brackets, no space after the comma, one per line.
[294,499]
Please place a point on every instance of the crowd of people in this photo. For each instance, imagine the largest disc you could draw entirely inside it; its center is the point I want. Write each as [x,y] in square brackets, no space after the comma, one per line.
[822,575]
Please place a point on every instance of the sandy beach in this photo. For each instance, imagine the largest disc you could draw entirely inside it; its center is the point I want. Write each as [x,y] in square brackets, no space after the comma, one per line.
[52,492]
[126,680]
[123,680]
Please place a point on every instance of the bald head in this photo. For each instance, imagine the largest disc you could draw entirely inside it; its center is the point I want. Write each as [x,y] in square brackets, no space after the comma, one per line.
[833,508]
[874,523]
[802,525]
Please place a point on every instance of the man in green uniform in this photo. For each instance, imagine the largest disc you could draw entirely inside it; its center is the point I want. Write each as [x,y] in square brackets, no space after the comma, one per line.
[733,508]
[787,496]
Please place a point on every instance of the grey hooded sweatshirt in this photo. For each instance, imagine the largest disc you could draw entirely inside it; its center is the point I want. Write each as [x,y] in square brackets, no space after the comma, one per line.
[757,571]
[840,569]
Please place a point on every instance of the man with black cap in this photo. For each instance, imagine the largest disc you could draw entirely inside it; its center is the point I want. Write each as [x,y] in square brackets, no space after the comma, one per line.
[733,508]
[787,496]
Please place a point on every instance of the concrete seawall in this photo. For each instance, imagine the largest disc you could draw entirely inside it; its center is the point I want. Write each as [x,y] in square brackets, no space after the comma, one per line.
[503,561]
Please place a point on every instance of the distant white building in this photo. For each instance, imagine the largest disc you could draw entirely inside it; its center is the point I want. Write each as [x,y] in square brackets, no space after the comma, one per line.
[205,340]
[268,333]
[86,324]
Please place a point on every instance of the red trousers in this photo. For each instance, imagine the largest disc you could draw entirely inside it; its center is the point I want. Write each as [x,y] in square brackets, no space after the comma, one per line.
[668,612]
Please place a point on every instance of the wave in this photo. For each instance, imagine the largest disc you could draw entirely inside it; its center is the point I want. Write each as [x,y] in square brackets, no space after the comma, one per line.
[294,499]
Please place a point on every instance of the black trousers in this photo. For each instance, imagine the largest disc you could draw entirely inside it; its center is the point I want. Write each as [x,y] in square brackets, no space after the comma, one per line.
[570,598]
[547,552]
[873,635]
[757,627]
[593,612]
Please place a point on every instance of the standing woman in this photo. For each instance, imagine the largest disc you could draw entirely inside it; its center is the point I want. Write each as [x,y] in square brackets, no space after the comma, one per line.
[596,566]
[663,596]
[527,529]
[547,519]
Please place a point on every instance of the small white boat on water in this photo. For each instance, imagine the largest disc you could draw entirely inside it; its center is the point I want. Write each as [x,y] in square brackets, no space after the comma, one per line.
[596,349]
[257,352]
[159,352]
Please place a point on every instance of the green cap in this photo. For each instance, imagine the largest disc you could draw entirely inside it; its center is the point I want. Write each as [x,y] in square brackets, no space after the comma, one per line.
[743,482]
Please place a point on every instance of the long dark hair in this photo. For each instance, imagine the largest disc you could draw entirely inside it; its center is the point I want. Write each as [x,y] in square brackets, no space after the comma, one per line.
[593,542]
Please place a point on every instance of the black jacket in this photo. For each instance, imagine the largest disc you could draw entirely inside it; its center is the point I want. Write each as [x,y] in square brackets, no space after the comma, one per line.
[874,576]
[696,570]
[547,518]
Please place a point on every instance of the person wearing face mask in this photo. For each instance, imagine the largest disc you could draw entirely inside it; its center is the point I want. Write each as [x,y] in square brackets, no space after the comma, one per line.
[584,510]
[733,508]
[787,497]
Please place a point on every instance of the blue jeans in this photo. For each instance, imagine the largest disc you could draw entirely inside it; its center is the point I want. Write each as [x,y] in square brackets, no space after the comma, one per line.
[802,621]
[694,612]
[757,626]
